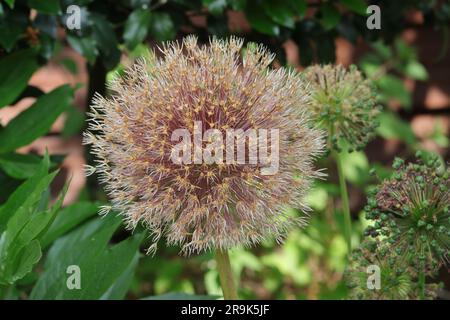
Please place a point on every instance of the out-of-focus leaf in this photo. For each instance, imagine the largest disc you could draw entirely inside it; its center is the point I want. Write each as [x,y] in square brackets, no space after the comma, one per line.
[161,26]
[393,88]
[36,120]
[416,70]
[45,6]
[392,127]
[259,20]
[299,6]
[358,6]
[15,71]
[19,166]
[215,7]
[9,34]
[103,34]
[86,247]
[330,16]
[10,3]
[356,169]
[84,45]
[280,12]
[136,27]
[70,65]
[75,120]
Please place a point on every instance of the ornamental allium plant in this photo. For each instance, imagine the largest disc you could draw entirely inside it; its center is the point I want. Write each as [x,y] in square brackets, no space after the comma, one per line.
[343,103]
[204,206]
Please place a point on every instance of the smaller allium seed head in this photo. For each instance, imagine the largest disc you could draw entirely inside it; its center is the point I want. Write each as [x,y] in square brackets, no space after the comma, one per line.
[411,211]
[202,206]
[344,103]
[397,280]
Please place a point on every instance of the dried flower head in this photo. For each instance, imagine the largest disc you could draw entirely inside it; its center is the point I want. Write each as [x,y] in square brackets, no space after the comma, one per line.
[411,211]
[200,206]
[344,103]
[374,274]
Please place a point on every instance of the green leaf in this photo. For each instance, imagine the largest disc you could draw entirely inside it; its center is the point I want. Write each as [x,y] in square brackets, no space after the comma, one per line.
[9,34]
[392,87]
[358,6]
[100,265]
[28,193]
[260,21]
[75,121]
[299,6]
[136,27]
[36,120]
[416,70]
[69,218]
[215,7]
[15,71]
[330,16]
[29,257]
[86,46]
[280,12]
[103,33]
[45,6]
[392,127]
[19,166]
[70,65]
[161,27]
[181,296]
[10,3]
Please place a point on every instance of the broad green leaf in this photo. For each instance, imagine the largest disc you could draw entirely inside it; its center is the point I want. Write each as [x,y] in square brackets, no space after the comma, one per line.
[100,264]
[356,168]
[19,166]
[358,6]
[45,6]
[136,27]
[15,71]
[86,46]
[31,255]
[68,218]
[75,120]
[28,193]
[36,120]
[182,296]
[260,21]
[161,26]
[299,6]
[392,127]
[280,12]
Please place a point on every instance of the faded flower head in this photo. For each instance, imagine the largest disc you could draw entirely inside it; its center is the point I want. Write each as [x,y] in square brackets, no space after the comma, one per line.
[374,273]
[202,206]
[411,210]
[344,103]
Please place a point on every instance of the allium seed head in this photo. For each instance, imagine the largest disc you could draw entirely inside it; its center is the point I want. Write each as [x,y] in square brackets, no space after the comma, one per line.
[344,103]
[202,206]
[411,211]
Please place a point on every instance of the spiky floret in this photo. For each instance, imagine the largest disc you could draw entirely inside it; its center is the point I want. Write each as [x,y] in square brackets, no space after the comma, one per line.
[204,206]
[397,280]
[411,211]
[344,103]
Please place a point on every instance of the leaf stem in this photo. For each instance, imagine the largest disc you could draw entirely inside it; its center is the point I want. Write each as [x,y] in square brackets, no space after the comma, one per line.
[226,275]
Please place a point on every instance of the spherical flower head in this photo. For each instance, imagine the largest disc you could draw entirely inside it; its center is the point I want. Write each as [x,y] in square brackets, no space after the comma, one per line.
[201,205]
[375,273]
[411,211]
[344,103]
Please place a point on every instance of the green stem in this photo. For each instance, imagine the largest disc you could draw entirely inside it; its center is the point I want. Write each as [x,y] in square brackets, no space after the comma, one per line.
[226,275]
[345,204]
[421,284]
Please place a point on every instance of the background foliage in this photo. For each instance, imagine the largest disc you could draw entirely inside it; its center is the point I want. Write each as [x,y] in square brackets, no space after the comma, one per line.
[40,238]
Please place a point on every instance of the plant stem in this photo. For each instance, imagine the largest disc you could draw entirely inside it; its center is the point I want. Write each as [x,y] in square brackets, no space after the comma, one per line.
[226,275]
[421,284]
[345,204]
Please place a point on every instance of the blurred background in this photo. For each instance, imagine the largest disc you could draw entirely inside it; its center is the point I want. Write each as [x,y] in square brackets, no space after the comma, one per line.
[42,47]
